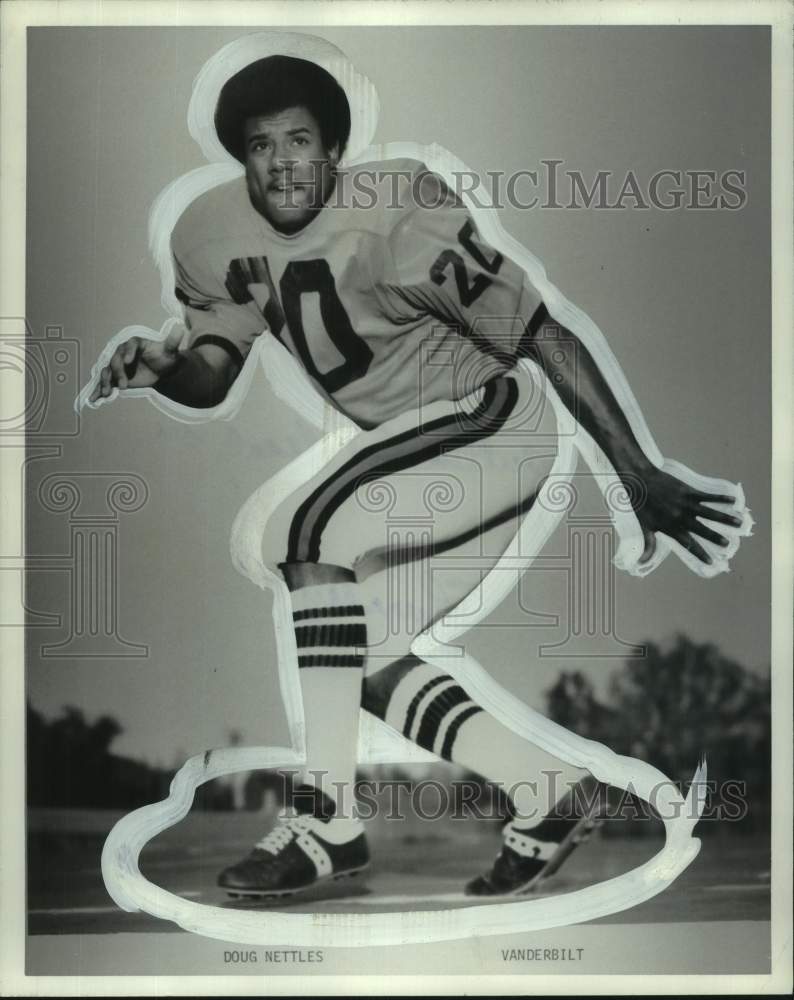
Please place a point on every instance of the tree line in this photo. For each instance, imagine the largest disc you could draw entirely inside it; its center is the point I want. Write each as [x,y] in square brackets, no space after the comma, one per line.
[671,706]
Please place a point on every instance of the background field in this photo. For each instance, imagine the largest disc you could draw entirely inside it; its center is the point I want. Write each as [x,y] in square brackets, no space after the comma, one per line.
[416,864]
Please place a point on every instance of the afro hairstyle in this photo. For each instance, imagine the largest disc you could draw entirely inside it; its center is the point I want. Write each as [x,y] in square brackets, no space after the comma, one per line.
[273,84]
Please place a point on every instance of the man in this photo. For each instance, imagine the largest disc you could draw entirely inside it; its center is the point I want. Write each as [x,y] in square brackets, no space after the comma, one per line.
[410,324]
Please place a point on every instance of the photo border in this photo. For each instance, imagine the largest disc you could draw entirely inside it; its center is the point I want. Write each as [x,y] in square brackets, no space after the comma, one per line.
[14,19]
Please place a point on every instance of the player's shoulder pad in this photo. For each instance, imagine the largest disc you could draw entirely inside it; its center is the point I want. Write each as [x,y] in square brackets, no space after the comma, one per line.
[400,188]
[398,165]
[209,217]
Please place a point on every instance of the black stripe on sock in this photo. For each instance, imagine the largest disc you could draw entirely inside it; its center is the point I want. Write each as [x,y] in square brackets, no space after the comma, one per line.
[409,718]
[342,611]
[307,636]
[434,715]
[327,660]
[452,731]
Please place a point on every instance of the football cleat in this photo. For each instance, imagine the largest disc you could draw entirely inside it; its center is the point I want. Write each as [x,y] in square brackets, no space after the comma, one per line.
[529,857]
[299,853]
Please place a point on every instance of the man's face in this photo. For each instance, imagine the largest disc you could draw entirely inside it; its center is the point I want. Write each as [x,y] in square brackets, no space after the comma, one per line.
[288,170]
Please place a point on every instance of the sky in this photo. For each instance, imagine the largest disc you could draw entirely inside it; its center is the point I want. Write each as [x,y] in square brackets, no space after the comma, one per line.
[682,296]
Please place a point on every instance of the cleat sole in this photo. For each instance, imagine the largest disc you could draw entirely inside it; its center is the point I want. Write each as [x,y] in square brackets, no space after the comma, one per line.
[582,830]
[290,893]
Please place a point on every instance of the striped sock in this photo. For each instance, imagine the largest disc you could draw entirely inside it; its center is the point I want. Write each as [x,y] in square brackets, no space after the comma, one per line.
[431,709]
[331,636]
[427,706]
[330,627]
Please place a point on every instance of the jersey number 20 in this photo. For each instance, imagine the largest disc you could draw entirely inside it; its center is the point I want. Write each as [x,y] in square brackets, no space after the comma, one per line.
[300,277]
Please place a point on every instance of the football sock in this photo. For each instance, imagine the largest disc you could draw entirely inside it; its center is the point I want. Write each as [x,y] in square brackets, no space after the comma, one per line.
[431,709]
[330,633]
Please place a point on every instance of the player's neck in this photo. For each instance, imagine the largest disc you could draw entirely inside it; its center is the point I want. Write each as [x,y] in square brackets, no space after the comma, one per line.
[289,229]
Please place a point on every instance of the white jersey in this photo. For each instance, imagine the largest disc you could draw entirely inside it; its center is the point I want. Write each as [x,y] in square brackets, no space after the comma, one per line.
[388,298]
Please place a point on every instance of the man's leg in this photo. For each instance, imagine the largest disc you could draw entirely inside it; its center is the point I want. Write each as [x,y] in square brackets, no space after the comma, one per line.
[314,539]
[331,637]
[319,837]
[336,521]
[430,708]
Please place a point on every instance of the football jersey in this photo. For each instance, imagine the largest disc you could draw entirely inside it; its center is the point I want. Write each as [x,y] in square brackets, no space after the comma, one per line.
[388,297]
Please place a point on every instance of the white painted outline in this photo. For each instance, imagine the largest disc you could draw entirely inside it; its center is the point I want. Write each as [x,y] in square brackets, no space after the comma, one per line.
[131,891]
[120,855]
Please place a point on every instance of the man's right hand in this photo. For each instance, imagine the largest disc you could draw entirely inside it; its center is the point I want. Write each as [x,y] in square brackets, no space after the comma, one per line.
[138,363]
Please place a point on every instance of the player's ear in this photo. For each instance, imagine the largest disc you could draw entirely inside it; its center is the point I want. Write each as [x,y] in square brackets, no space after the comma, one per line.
[333,155]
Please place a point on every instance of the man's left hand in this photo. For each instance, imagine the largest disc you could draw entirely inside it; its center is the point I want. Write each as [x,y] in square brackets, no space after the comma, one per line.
[679,511]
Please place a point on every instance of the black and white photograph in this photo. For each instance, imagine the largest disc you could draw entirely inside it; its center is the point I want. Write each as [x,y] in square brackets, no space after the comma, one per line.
[396,457]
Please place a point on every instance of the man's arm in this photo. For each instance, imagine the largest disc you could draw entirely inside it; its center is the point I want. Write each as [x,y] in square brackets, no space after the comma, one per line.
[199,377]
[663,503]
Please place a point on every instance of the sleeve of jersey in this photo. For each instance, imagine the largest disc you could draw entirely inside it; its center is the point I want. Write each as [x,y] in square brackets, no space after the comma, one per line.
[211,317]
[442,267]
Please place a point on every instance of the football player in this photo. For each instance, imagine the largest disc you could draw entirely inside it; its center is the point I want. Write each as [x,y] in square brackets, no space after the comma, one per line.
[410,324]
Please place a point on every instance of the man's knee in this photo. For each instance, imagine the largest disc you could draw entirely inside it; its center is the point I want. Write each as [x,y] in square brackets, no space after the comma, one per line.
[306,574]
